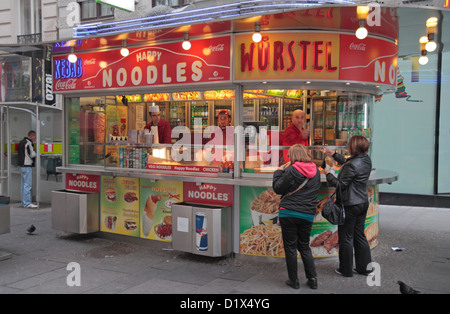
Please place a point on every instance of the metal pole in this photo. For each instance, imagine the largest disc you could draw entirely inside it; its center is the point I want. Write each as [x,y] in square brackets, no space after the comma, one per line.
[8,150]
[38,156]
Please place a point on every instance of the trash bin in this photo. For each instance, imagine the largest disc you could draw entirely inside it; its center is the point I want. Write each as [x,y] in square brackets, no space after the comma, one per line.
[5,215]
[75,212]
[200,229]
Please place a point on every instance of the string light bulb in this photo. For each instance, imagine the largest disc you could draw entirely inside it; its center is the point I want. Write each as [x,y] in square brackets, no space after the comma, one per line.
[72,56]
[431,24]
[124,51]
[362,12]
[423,52]
[186,43]
[256,37]
[423,60]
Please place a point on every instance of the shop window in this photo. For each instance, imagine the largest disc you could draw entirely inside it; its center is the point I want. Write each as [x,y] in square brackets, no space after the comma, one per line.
[91,10]
[171,3]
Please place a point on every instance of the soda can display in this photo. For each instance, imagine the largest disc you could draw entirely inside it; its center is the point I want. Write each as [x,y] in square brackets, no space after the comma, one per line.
[201,232]
[121,157]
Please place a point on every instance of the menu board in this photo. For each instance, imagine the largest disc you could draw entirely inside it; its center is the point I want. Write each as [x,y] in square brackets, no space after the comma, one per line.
[119,205]
[156,208]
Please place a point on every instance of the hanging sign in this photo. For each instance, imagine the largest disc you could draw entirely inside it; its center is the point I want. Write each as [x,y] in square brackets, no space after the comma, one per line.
[207,61]
[320,56]
[125,5]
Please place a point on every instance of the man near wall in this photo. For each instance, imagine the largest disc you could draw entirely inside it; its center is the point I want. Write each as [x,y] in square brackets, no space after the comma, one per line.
[26,156]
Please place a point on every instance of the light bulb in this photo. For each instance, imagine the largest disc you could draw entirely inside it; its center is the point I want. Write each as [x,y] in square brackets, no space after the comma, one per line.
[186,45]
[431,46]
[362,11]
[423,39]
[432,22]
[256,37]
[124,51]
[423,60]
[72,58]
[361,33]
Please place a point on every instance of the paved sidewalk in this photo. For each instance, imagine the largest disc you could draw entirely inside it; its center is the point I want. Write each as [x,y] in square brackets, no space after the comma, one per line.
[38,263]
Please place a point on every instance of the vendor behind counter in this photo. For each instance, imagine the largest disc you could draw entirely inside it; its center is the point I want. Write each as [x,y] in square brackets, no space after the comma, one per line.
[164,131]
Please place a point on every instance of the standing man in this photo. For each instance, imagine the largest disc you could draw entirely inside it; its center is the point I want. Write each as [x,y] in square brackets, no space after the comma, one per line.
[296,132]
[26,157]
[164,131]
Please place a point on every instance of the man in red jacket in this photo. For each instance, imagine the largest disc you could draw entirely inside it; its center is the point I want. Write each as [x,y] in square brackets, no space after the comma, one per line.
[164,131]
[295,133]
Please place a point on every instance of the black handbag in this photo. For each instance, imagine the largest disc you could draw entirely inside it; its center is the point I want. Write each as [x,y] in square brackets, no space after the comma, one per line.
[332,211]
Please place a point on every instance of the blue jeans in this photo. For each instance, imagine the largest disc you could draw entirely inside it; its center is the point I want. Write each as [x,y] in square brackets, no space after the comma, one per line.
[26,182]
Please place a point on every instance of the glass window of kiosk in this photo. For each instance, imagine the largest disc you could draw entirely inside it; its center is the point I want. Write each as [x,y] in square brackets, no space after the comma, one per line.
[109,130]
[331,118]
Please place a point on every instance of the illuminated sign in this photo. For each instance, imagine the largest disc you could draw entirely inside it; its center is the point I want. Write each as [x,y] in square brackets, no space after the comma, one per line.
[162,64]
[291,55]
[63,69]
[447,4]
[322,56]
[126,5]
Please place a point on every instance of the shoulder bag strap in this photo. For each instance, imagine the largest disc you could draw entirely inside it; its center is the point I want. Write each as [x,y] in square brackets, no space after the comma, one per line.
[302,185]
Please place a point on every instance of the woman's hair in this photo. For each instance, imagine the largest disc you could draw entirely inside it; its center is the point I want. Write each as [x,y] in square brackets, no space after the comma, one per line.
[358,145]
[298,152]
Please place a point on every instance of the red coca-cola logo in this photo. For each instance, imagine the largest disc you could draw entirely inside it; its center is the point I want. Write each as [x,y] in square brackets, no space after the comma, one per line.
[219,47]
[70,84]
[359,47]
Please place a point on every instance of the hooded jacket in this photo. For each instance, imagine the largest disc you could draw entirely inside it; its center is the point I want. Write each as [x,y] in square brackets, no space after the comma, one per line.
[289,179]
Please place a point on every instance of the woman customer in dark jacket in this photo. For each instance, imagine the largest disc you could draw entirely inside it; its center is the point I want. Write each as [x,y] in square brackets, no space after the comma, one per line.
[352,180]
[297,210]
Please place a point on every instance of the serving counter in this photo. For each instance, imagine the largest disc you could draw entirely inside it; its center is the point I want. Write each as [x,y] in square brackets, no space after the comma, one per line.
[137,203]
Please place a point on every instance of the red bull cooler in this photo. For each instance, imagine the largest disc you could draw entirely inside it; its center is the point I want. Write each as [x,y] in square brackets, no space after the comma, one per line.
[201,233]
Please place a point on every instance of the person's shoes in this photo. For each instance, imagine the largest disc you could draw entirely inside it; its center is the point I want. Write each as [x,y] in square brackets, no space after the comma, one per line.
[293,284]
[31,205]
[312,283]
[339,273]
[365,273]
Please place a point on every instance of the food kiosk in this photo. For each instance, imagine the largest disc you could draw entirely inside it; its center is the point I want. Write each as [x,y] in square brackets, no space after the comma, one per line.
[308,60]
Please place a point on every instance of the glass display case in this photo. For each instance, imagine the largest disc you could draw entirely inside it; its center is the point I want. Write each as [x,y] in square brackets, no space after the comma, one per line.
[104,132]
[199,110]
[268,111]
[177,113]
[324,120]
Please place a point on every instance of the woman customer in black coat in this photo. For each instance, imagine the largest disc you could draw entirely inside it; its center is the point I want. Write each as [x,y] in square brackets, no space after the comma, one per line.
[297,210]
[352,180]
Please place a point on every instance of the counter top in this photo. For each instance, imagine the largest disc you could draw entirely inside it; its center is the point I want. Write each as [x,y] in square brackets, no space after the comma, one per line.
[380,176]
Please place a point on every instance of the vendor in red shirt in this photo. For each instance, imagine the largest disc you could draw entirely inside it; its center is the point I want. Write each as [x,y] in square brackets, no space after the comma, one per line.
[164,131]
[295,133]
